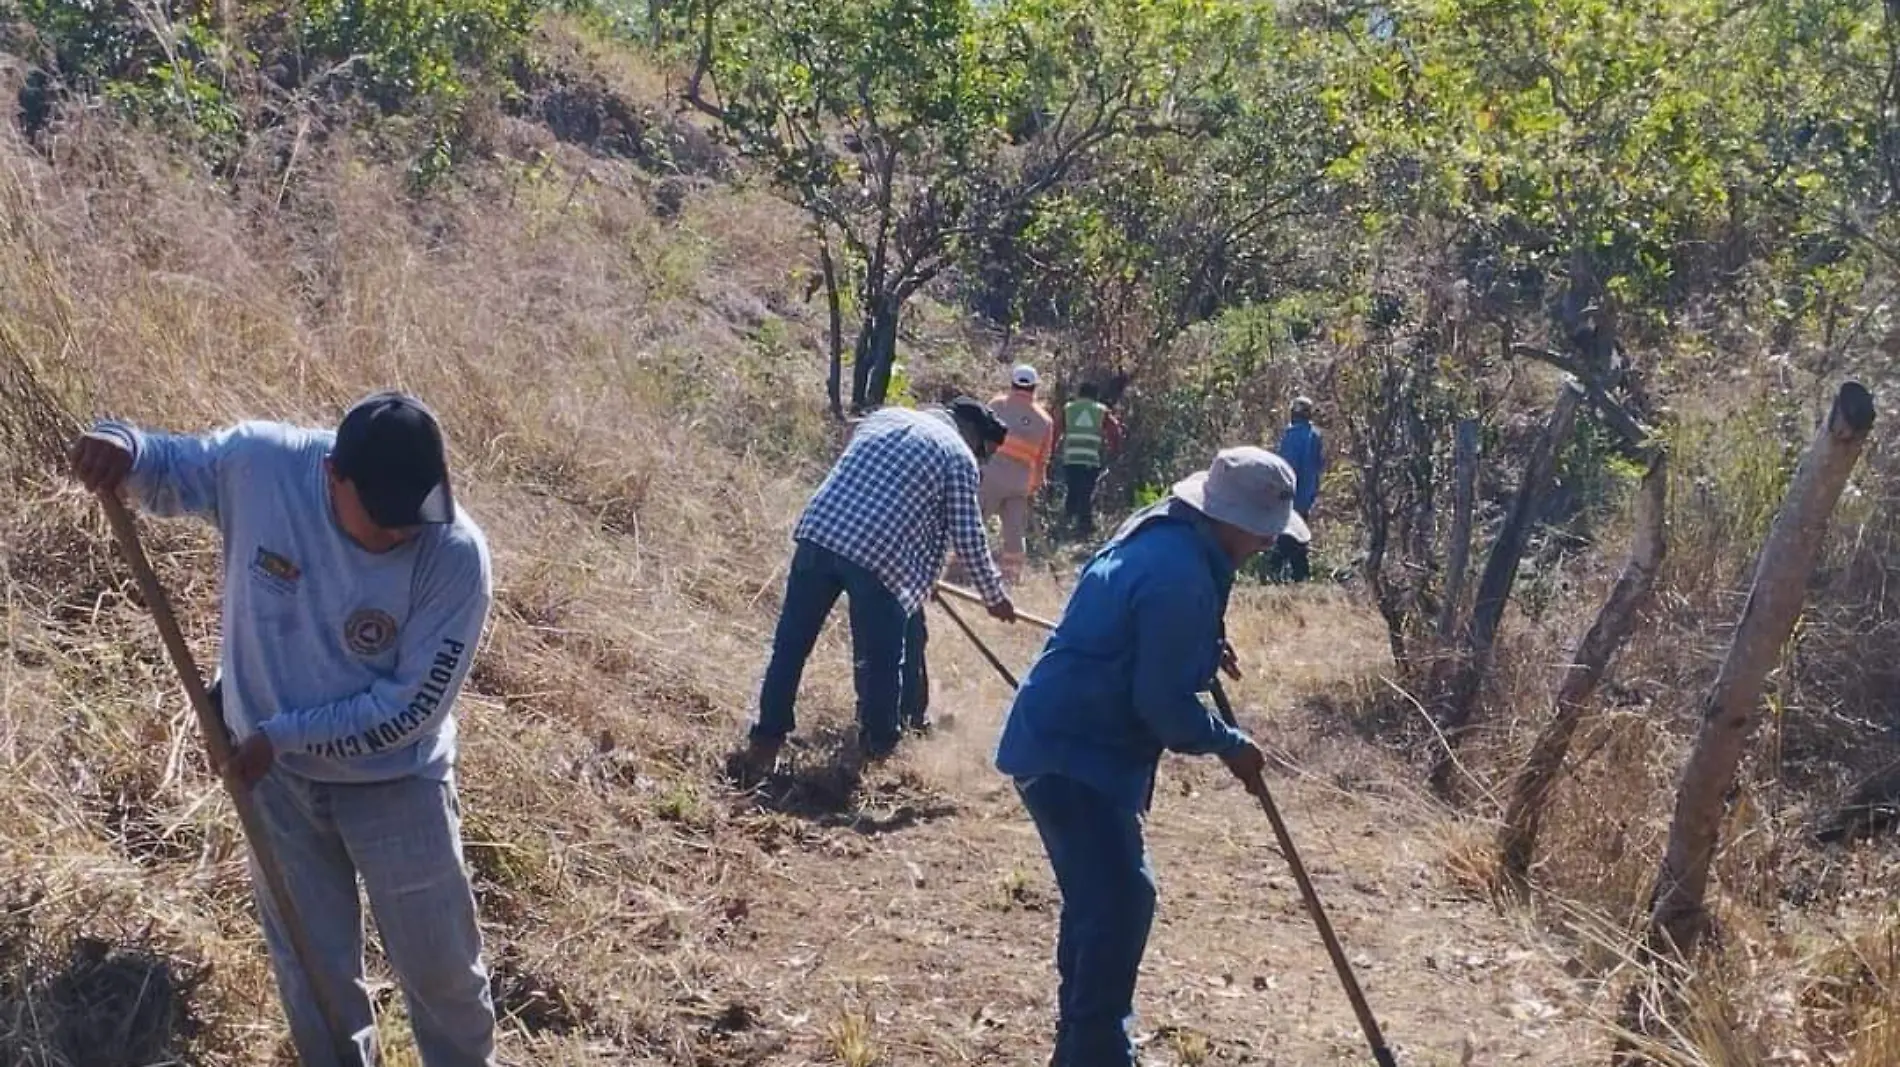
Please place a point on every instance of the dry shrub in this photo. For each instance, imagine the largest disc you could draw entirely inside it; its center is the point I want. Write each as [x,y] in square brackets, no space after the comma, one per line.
[1604,833]
[1851,1000]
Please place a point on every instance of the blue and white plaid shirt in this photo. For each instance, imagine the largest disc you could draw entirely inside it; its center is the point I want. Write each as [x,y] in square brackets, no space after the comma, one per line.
[905,485]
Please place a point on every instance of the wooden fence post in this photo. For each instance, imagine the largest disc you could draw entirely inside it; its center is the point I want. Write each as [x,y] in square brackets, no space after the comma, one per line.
[1678,916]
[1616,619]
[1500,571]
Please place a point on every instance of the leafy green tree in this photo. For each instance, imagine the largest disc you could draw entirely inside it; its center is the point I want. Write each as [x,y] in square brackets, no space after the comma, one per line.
[1617,167]
[1157,235]
[912,131]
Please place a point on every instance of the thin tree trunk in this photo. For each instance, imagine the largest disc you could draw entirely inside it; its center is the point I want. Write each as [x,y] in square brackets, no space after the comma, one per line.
[1422,512]
[1464,451]
[1374,445]
[1615,621]
[834,380]
[877,348]
[1500,572]
[1678,917]
[876,344]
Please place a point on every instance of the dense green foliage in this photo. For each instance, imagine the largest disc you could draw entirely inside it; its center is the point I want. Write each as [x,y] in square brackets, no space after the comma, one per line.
[917,133]
[1602,176]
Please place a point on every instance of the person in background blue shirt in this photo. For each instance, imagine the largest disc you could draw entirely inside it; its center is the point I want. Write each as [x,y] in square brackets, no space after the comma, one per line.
[353,600]
[1118,682]
[1303,448]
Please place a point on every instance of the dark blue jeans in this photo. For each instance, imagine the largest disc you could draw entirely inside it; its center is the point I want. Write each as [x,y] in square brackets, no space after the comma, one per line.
[1108,904]
[913,701]
[878,625]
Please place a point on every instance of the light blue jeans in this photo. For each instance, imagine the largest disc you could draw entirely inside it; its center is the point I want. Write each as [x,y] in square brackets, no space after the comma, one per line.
[404,839]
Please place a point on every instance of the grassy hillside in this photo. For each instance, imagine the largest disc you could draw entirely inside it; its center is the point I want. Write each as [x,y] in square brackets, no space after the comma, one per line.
[623,343]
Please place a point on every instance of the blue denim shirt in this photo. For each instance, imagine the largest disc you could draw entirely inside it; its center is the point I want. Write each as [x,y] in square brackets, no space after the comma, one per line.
[1120,678]
[1303,448]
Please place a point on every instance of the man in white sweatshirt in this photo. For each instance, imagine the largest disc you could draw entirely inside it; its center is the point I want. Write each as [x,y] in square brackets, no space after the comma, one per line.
[354,596]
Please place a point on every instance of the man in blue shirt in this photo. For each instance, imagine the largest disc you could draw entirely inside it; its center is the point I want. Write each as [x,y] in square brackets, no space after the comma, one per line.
[1118,682]
[876,532]
[354,596]
[1303,448]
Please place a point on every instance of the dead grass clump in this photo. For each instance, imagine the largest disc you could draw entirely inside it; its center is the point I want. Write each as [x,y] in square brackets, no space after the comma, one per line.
[1608,818]
[36,424]
[1850,1002]
[534,1003]
[852,1039]
[97,1003]
[1472,862]
[129,807]
[510,868]
[1191,1047]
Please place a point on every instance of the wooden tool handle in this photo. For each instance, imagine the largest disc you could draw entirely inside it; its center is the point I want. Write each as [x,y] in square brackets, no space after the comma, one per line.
[218,747]
[971,595]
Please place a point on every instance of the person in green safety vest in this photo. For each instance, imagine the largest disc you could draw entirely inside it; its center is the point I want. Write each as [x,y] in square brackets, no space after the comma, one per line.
[1090,433]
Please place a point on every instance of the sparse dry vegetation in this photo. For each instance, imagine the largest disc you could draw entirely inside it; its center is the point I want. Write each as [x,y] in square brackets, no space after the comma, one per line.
[622,331]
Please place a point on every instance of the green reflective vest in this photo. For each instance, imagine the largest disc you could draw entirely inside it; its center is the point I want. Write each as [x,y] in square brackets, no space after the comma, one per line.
[1082,433]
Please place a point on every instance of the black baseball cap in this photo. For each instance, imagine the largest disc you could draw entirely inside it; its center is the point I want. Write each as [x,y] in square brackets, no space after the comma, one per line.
[978,415]
[390,447]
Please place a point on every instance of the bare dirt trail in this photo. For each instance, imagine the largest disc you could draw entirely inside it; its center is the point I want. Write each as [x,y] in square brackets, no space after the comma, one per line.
[921,927]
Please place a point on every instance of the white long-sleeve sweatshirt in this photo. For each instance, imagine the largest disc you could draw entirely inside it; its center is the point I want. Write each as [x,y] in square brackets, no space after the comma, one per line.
[348,660]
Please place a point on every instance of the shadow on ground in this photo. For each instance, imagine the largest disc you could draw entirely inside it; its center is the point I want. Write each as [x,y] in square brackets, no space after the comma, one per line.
[103,1005]
[827,781]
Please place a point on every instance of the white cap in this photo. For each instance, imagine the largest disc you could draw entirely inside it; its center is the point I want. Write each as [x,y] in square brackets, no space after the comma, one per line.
[1024,376]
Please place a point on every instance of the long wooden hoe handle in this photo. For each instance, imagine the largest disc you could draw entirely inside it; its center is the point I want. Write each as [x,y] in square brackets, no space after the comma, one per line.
[1381,1054]
[946,589]
[211,725]
[975,640]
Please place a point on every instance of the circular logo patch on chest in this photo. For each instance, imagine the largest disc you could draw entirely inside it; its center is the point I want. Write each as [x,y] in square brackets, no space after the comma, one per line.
[370,632]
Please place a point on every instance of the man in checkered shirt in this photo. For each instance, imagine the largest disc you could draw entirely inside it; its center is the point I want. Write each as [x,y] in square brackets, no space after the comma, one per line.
[876,531]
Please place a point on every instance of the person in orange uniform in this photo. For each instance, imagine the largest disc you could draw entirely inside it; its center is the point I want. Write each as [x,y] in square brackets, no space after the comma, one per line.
[1014,474]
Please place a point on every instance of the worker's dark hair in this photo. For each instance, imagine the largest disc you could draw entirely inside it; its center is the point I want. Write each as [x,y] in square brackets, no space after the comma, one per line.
[978,416]
[1090,391]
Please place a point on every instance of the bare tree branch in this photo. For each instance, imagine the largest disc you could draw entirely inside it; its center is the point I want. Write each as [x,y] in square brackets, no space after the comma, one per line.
[1639,438]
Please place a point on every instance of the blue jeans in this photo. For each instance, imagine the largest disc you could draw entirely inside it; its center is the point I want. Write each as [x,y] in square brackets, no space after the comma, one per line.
[1108,904]
[403,839]
[878,624]
[913,701]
